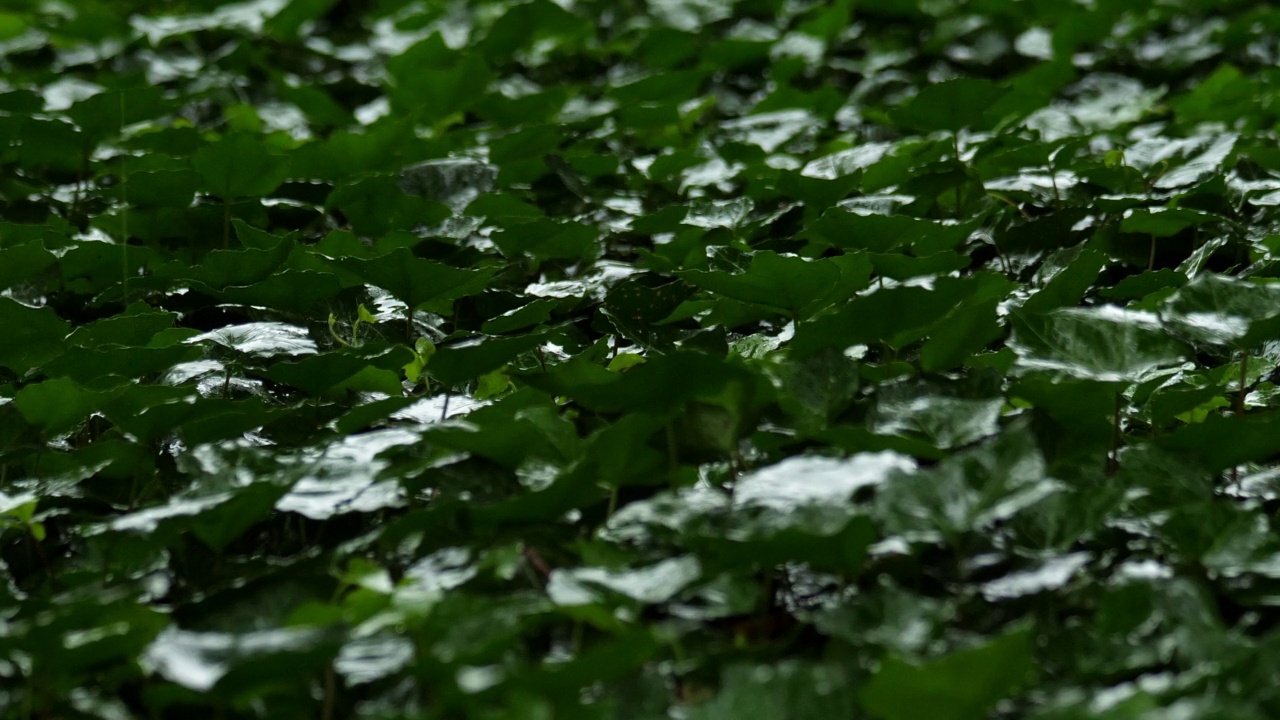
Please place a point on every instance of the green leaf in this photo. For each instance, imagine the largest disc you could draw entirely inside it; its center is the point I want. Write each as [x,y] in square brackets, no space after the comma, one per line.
[810,494]
[964,685]
[1225,96]
[162,188]
[298,291]
[788,689]
[521,427]
[904,267]
[1213,159]
[650,586]
[1086,407]
[94,366]
[1164,222]
[237,662]
[259,339]
[659,86]
[546,239]
[375,205]
[1219,443]
[882,233]
[1218,310]
[138,325]
[969,491]
[1067,278]
[636,308]
[897,316]
[503,209]
[287,23]
[240,165]
[943,421]
[658,386]
[662,358]
[223,269]
[318,373]
[960,335]
[32,336]
[56,405]
[950,105]
[1144,284]
[23,263]
[435,82]
[413,280]
[473,357]
[11,26]
[534,313]
[814,390]
[105,113]
[793,284]
[1105,343]
[92,268]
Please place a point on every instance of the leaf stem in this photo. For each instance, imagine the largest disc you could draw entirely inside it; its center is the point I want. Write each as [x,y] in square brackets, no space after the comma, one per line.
[330,692]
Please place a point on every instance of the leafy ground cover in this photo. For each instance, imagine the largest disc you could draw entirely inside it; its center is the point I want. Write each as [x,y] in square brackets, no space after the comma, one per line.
[680,358]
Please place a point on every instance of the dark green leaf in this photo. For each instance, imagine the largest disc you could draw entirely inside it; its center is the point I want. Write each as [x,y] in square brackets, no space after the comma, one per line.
[964,685]
[951,105]
[239,165]
[32,335]
[413,280]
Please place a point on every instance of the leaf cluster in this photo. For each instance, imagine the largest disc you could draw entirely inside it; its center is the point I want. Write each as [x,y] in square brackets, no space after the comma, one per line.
[742,359]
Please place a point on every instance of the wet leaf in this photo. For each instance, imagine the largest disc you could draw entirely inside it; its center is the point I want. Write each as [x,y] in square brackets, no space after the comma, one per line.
[1106,343]
[677,358]
[263,339]
[201,660]
[1217,310]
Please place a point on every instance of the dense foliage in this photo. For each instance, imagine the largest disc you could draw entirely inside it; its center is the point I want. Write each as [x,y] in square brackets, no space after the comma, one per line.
[626,359]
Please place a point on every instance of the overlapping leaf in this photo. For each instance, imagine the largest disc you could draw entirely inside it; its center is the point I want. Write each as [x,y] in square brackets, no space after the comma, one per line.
[680,358]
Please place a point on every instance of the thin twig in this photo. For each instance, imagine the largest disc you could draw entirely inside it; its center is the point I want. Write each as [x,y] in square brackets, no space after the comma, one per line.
[535,559]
